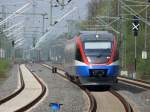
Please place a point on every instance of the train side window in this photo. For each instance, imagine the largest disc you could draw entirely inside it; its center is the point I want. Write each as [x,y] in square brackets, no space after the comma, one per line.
[78,55]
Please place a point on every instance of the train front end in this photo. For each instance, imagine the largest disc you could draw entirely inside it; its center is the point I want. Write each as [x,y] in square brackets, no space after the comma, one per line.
[97,59]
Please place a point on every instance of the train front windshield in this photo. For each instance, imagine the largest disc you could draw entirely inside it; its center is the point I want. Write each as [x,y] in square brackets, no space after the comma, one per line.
[98,52]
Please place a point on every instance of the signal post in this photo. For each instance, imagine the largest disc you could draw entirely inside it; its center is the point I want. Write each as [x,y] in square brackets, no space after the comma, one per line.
[135,29]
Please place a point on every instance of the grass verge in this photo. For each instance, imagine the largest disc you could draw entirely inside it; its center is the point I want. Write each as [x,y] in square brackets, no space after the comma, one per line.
[4,66]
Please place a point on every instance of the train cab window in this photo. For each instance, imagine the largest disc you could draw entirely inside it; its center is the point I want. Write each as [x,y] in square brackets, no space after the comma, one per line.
[78,55]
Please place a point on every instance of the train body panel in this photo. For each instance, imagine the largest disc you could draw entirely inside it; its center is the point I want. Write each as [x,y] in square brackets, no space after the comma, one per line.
[92,57]
[98,70]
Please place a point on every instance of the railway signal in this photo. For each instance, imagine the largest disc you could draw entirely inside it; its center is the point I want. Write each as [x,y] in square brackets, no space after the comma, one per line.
[136,25]
[135,29]
[13,43]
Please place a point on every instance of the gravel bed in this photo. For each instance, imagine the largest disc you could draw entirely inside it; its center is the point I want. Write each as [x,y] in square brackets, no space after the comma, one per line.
[9,83]
[139,98]
[70,96]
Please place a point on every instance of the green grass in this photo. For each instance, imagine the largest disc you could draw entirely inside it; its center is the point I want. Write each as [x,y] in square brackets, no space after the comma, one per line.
[4,66]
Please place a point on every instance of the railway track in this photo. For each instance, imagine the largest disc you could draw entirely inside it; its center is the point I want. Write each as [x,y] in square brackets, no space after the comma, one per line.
[92,100]
[99,100]
[111,101]
[17,91]
[138,83]
[126,105]
[31,91]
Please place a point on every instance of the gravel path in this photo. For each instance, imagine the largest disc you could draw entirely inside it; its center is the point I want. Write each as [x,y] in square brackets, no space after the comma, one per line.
[9,82]
[70,96]
[139,98]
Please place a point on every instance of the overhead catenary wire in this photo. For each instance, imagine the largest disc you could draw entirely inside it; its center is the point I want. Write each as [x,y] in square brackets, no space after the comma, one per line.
[19,41]
[51,28]
[13,26]
[14,35]
[130,10]
[14,14]
[18,45]
[135,1]
[65,15]
[11,4]
[13,32]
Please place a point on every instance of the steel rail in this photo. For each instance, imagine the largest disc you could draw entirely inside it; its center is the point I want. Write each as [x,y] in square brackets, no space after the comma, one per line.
[93,104]
[126,105]
[37,99]
[15,93]
[142,83]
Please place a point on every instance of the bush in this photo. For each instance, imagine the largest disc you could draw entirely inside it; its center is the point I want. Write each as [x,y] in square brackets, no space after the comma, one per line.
[4,66]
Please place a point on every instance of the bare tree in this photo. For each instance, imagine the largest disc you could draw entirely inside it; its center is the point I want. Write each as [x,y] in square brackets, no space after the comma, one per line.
[93,5]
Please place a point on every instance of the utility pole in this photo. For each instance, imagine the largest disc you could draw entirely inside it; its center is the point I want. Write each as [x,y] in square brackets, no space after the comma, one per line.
[13,50]
[135,57]
[33,34]
[63,4]
[120,30]
[2,39]
[145,44]
[43,24]
[144,52]
[51,12]
[3,15]
[135,29]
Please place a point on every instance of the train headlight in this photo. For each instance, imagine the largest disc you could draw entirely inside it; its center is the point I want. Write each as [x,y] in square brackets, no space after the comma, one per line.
[108,57]
[97,36]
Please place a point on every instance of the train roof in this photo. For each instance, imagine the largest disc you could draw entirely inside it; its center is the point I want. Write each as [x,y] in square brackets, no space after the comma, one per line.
[96,35]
